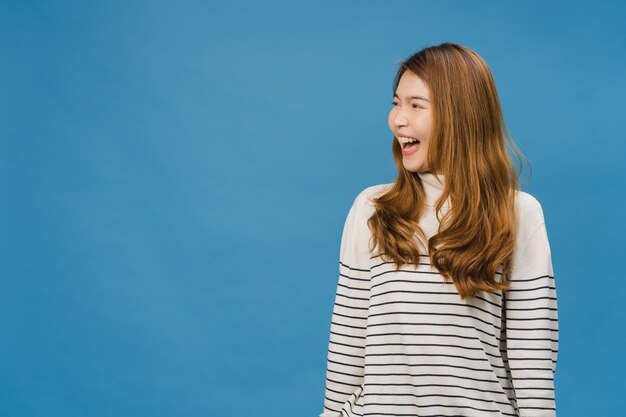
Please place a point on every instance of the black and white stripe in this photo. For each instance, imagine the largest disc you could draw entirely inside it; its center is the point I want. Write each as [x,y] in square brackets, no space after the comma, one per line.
[403,343]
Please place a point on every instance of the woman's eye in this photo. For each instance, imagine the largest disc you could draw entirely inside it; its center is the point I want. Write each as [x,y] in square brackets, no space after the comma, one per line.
[415,106]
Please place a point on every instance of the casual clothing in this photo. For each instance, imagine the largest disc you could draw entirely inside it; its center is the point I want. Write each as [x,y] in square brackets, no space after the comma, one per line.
[403,343]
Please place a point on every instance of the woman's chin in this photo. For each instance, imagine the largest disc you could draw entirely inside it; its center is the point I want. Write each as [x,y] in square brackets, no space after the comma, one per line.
[414,167]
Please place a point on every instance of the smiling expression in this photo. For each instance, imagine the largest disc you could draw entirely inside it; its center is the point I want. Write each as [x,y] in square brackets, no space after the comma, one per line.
[411,117]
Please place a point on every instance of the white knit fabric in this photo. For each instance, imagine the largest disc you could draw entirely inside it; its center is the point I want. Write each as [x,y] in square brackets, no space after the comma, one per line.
[405,344]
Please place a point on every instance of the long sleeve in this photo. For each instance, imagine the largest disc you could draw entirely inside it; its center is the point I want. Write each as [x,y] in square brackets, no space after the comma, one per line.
[346,347]
[531,326]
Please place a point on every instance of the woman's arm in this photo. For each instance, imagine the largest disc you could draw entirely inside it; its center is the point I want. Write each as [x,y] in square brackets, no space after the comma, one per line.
[532,326]
[346,347]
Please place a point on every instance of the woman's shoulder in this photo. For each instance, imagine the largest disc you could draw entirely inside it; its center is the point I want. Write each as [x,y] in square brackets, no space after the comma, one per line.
[530,216]
[527,203]
[528,207]
[365,198]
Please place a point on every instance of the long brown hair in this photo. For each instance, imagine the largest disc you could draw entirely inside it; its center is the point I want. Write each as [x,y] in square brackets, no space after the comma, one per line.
[476,235]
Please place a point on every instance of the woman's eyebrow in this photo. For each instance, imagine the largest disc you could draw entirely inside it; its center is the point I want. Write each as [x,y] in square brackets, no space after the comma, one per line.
[416,97]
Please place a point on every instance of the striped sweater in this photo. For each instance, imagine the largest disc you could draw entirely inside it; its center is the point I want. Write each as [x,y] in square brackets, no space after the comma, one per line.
[405,344]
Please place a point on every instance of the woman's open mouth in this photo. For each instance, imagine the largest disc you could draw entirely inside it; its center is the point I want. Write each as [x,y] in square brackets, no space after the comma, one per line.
[409,145]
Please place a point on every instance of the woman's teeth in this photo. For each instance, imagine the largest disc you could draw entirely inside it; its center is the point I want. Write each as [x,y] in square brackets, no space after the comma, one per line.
[404,141]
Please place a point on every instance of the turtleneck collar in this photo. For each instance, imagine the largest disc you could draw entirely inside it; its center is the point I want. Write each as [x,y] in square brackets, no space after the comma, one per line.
[433,187]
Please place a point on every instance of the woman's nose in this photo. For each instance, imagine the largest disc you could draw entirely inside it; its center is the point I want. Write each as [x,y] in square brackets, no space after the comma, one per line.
[399,119]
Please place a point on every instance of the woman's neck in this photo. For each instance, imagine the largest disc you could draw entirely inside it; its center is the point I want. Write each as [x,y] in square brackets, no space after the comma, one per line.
[433,187]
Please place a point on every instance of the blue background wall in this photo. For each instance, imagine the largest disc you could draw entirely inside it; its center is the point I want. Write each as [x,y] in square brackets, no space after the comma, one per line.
[175,177]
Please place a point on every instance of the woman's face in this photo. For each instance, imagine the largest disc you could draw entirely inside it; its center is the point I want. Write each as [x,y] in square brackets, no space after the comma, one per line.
[411,116]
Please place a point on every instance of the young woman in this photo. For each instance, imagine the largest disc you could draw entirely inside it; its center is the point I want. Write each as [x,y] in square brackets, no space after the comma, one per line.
[446,301]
